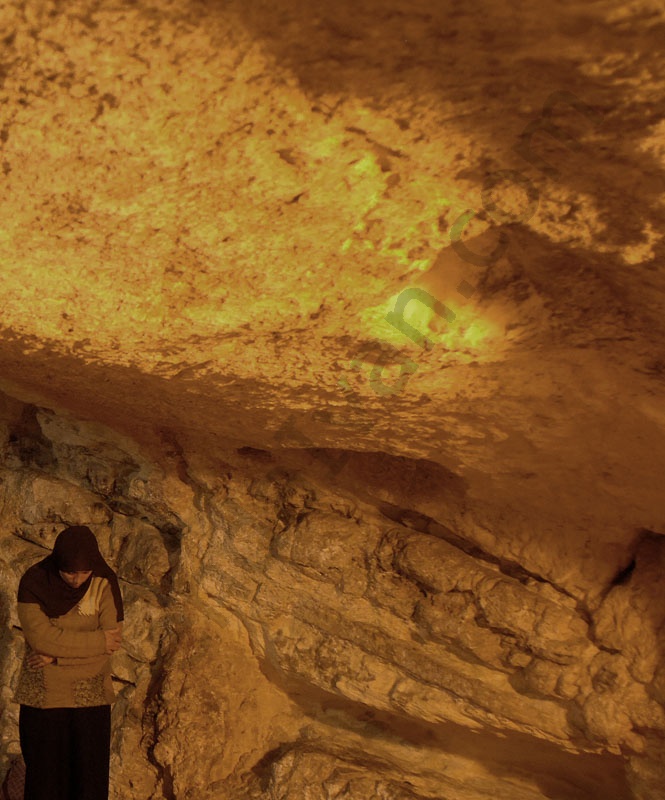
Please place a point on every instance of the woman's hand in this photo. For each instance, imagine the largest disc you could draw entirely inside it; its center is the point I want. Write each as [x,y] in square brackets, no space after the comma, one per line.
[113,640]
[39,660]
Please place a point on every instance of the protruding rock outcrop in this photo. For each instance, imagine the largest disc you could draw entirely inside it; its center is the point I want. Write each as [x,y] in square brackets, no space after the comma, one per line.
[282,633]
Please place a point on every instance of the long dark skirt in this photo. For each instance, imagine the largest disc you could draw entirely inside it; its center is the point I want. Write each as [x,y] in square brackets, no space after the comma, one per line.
[66,752]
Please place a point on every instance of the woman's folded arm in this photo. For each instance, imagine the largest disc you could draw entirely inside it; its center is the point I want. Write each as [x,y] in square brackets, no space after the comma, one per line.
[44,636]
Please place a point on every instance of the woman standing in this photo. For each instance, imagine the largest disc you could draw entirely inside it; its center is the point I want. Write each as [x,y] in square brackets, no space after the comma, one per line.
[70,609]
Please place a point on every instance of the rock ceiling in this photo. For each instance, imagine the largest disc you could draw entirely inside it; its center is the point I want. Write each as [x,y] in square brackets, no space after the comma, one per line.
[411,250]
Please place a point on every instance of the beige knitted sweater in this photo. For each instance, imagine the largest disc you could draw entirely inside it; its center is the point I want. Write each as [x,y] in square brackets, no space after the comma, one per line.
[81,674]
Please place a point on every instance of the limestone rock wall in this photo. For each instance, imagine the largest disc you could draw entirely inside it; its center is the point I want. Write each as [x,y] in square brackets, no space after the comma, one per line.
[286,638]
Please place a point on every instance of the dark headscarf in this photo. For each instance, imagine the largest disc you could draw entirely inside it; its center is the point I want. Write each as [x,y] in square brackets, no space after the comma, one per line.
[75,550]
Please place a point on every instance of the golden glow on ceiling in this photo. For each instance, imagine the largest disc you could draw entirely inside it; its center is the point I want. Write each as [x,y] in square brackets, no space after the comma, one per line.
[467,334]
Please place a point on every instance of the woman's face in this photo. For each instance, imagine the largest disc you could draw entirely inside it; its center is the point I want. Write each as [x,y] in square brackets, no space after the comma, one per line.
[75,579]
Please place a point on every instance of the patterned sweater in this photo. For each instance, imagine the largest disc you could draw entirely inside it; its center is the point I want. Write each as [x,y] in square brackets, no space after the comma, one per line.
[81,674]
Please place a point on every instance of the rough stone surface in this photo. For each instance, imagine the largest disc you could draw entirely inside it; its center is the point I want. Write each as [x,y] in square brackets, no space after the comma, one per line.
[285,639]
[374,544]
